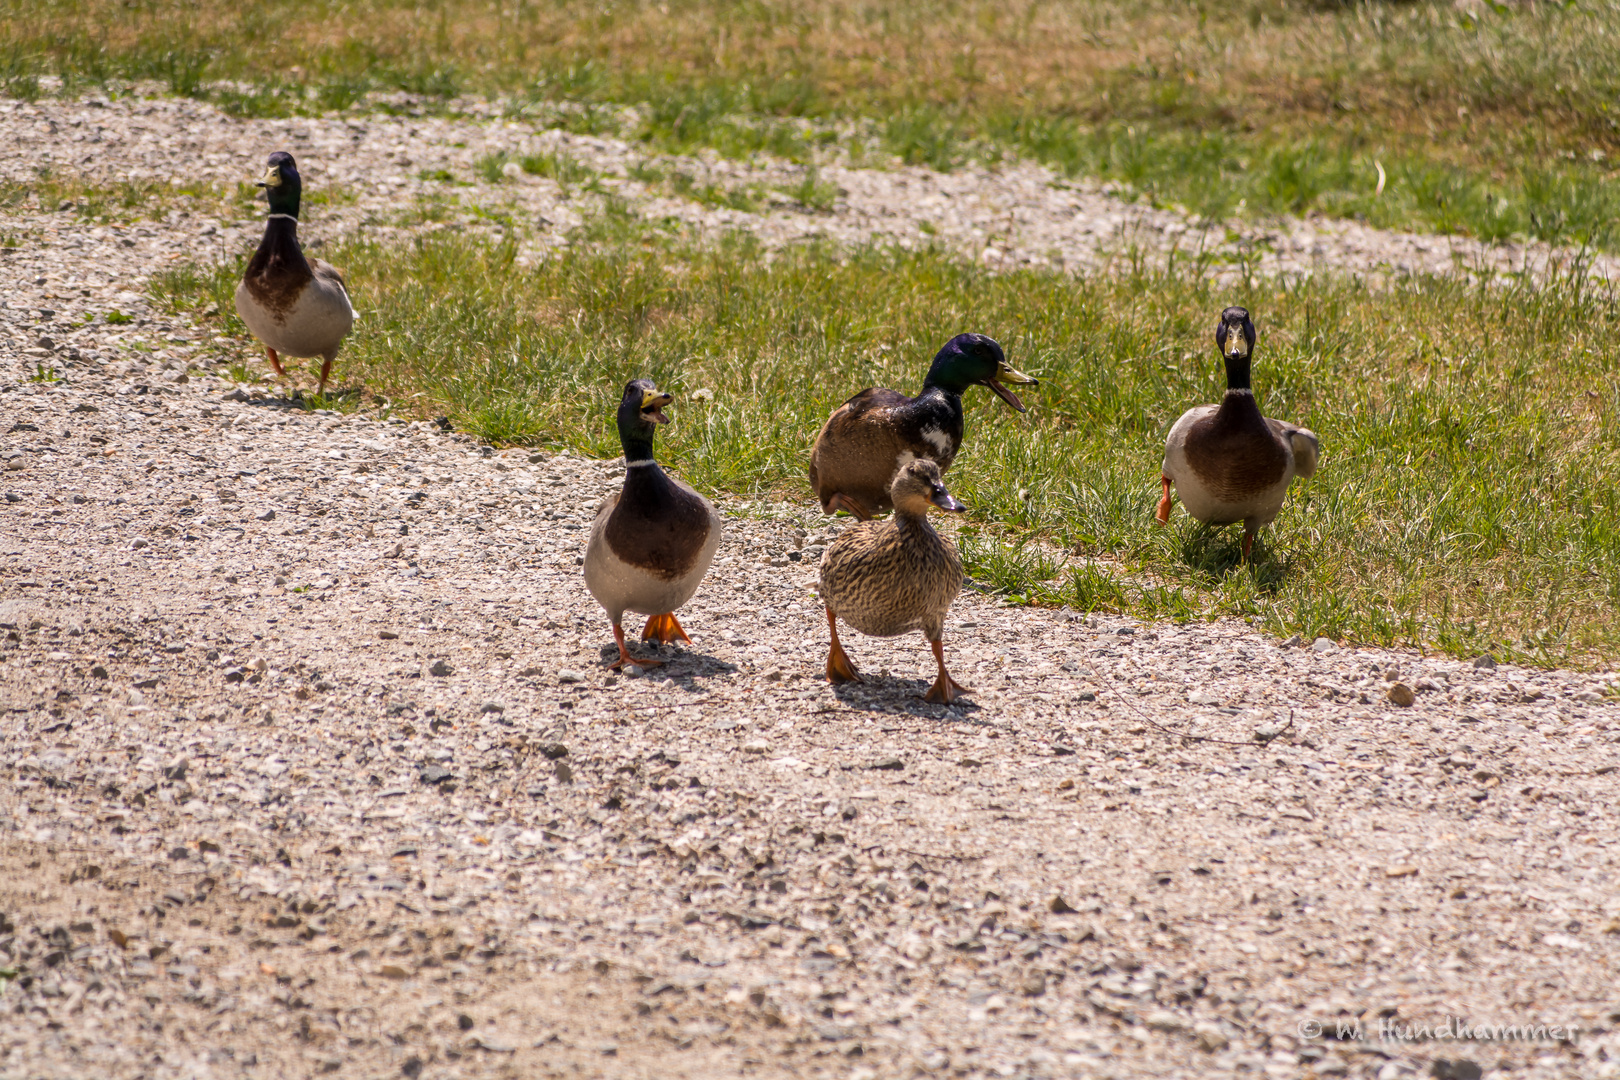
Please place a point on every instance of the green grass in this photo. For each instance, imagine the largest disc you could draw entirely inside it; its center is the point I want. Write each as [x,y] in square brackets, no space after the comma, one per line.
[1467,495]
[812,192]
[129,200]
[1494,120]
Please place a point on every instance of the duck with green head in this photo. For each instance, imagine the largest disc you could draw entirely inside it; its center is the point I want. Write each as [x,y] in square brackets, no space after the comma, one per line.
[294,305]
[651,543]
[1228,462]
[877,431]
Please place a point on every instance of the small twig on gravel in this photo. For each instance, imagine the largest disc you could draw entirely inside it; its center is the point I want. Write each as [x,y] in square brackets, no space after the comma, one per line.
[1182,734]
[933,855]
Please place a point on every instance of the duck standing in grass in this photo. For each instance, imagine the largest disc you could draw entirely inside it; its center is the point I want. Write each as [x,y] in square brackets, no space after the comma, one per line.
[294,306]
[653,541]
[877,431]
[886,578]
[1228,462]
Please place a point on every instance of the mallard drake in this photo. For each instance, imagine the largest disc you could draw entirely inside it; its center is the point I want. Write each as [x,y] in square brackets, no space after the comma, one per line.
[886,578]
[653,541]
[293,305]
[1227,462]
[875,432]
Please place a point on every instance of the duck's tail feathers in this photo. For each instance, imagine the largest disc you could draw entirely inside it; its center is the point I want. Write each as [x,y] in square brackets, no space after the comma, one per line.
[1306,446]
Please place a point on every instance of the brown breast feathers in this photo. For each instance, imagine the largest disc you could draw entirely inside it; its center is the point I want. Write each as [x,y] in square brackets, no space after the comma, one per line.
[279,271]
[1234,452]
[658,526]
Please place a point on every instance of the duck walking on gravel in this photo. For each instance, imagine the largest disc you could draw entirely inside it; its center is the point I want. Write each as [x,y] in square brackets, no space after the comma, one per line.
[877,431]
[886,578]
[1228,462]
[653,541]
[294,306]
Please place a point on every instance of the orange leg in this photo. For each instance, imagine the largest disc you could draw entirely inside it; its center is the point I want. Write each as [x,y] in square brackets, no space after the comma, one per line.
[326,369]
[624,653]
[664,628]
[945,689]
[839,668]
[1163,513]
[1248,543]
[848,505]
[275,361]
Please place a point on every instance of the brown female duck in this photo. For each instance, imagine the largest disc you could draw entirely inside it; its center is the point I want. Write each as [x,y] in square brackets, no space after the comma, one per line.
[886,578]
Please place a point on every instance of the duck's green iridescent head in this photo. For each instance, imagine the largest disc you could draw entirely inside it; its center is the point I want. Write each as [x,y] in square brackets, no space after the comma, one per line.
[282,185]
[640,412]
[974,359]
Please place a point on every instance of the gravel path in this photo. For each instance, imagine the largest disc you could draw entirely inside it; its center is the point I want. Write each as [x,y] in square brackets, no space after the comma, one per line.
[309,763]
[1021,214]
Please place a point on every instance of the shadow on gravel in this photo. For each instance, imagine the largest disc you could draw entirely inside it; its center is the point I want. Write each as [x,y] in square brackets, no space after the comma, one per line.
[681,666]
[882,694]
[295,401]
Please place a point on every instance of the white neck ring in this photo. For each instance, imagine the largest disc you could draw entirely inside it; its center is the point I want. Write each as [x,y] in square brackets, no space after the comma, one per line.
[289,217]
[639,464]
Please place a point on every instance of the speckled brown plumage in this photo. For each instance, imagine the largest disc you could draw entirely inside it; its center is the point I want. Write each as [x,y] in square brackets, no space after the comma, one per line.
[886,578]
[890,577]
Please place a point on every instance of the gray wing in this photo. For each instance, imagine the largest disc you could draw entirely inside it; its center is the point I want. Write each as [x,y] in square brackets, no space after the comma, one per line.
[1304,444]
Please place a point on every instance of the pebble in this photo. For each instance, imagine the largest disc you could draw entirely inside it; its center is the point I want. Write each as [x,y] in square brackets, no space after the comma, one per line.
[1402,695]
[1324,645]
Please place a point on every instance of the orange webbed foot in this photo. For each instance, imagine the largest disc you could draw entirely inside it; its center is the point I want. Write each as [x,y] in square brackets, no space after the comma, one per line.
[624,653]
[945,690]
[839,668]
[664,628]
